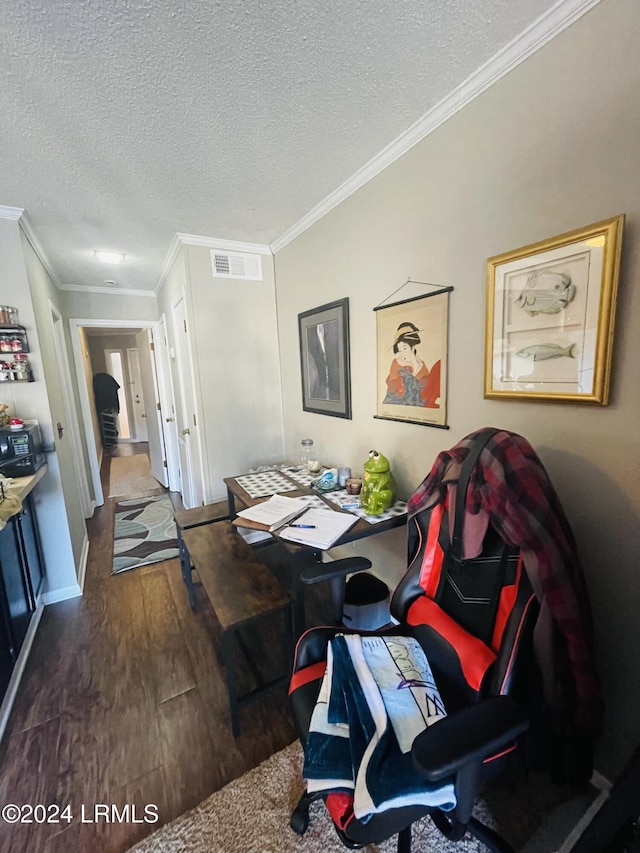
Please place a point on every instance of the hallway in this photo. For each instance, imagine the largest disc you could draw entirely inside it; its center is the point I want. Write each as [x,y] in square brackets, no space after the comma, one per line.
[123,701]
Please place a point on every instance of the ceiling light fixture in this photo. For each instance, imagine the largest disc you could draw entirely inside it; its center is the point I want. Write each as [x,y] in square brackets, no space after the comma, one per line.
[110,282]
[109,257]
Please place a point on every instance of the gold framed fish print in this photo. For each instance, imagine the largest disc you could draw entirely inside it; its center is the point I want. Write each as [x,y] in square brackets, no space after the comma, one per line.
[550,317]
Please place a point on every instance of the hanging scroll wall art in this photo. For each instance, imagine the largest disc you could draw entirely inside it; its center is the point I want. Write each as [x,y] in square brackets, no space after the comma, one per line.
[412,339]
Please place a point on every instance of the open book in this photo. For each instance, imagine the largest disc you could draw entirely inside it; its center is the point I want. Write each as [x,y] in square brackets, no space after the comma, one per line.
[271,514]
[324,528]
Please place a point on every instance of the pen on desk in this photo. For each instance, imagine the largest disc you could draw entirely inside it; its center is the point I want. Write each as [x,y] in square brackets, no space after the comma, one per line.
[307,526]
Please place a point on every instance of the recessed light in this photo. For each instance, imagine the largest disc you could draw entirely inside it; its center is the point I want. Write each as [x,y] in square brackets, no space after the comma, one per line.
[110,282]
[109,257]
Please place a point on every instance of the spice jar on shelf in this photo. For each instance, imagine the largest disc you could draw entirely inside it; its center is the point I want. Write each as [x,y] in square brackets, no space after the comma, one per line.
[8,316]
[21,368]
[16,344]
[5,343]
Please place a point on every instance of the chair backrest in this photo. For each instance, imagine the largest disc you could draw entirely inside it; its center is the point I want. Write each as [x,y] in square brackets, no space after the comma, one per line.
[474,616]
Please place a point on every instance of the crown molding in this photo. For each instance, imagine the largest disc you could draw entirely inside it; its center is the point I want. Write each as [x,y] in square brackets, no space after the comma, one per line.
[544,29]
[29,233]
[225,245]
[180,240]
[169,261]
[112,291]
[10,212]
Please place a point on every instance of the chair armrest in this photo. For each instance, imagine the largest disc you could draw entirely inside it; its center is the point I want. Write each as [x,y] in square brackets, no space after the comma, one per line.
[472,734]
[329,571]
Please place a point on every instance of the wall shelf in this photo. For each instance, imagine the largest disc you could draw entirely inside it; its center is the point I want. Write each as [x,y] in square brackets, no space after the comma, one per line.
[9,349]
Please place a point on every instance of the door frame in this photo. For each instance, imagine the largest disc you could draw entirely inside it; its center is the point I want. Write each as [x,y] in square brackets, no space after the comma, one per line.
[75,324]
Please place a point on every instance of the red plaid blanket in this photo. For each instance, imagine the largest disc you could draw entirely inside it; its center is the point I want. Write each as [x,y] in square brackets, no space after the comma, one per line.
[510,484]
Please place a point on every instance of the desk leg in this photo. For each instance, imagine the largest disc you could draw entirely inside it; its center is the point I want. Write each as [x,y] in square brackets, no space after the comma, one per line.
[289,638]
[231,501]
[228,647]
[297,594]
[337,587]
[297,589]
[185,567]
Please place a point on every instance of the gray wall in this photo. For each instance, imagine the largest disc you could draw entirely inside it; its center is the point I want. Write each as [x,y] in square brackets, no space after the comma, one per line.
[27,286]
[551,147]
[233,329]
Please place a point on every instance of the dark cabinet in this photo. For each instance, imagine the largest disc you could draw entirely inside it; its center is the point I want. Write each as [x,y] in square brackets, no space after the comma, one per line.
[18,603]
[21,575]
[30,544]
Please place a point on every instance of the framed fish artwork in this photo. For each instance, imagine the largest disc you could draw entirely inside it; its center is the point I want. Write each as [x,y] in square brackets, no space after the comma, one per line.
[550,317]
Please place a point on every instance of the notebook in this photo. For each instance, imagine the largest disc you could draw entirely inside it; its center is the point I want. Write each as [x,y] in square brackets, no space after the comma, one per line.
[325,528]
[271,514]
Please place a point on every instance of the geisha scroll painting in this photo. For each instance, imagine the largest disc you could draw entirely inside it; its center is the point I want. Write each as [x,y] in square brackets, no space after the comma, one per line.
[412,359]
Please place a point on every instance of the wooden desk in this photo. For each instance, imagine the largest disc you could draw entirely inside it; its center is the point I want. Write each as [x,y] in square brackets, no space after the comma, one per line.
[301,555]
[241,589]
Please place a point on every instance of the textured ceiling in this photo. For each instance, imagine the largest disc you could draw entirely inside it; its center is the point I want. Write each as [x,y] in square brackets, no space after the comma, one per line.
[128,121]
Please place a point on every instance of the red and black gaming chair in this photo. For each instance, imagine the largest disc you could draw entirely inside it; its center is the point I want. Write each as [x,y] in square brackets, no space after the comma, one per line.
[474,619]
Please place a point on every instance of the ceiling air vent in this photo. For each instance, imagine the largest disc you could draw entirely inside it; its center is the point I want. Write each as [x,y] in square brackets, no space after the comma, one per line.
[236,265]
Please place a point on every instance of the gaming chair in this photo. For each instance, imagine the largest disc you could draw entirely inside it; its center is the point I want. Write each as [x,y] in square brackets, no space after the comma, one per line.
[474,618]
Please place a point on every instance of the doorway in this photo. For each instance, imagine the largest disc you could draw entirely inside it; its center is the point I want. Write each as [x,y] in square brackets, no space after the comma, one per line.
[113,339]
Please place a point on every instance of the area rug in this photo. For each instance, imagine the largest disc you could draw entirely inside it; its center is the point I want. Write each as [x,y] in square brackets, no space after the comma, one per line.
[144,532]
[131,475]
[251,815]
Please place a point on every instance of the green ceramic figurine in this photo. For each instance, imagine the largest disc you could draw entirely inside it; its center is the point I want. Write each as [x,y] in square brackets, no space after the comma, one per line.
[378,489]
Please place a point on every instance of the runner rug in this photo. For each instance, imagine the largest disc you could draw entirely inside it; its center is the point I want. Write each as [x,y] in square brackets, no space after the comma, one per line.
[144,532]
[131,475]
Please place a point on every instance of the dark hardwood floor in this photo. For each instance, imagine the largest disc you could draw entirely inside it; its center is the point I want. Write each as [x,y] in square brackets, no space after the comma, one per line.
[123,701]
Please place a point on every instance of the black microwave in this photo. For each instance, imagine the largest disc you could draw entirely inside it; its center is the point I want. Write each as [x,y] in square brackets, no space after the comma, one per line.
[21,452]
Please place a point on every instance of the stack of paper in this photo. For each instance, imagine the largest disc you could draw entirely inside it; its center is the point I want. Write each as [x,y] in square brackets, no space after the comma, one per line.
[320,529]
[271,514]
[252,537]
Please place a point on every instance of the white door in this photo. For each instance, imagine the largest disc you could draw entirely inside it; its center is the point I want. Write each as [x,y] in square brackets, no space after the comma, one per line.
[187,439]
[115,367]
[152,407]
[70,410]
[137,395]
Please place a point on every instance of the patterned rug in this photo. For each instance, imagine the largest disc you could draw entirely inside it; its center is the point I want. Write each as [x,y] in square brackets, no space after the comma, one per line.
[144,532]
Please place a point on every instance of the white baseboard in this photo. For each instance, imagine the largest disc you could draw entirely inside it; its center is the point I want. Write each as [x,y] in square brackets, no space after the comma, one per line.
[55,595]
[601,784]
[18,670]
[82,568]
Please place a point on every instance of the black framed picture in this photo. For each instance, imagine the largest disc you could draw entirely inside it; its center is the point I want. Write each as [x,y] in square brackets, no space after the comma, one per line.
[324,359]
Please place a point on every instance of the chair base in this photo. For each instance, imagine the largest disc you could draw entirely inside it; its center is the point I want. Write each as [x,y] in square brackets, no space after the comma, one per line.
[452,830]
[455,831]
